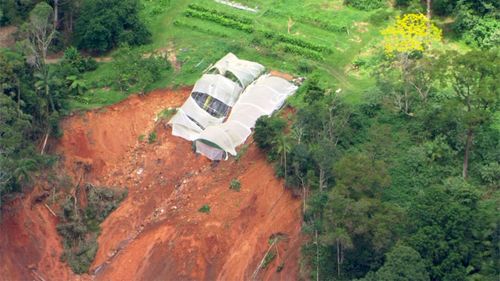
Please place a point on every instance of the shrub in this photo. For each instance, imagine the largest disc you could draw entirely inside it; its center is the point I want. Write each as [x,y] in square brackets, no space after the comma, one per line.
[243,150]
[366,5]
[270,256]
[166,113]
[204,209]
[152,137]
[235,185]
[136,70]
[75,59]
[304,67]
[280,267]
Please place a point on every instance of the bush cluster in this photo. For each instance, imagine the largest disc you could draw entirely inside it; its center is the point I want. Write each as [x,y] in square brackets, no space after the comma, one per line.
[137,70]
[79,62]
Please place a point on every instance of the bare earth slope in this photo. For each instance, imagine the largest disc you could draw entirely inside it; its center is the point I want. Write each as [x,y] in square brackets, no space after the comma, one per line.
[157,233]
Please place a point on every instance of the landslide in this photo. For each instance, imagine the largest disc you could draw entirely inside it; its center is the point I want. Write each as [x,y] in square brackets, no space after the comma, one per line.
[157,233]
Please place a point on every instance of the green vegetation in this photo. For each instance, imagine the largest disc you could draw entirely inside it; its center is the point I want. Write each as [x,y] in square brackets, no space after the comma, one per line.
[204,209]
[79,227]
[366,4]
[241,152]
[152,137]
[235,185]
[325,41]
[166,114]
[103,24]
[397,187]
[270,256]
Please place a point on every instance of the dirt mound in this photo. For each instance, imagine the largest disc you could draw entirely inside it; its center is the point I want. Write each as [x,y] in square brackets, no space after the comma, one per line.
[158,233]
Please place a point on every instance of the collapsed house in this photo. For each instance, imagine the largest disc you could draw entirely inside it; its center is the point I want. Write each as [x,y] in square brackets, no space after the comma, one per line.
[229,90]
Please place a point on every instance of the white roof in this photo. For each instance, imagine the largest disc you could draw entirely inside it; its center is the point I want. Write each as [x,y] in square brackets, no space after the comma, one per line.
[191,119]
[262,97]
[245,71]
[218,87]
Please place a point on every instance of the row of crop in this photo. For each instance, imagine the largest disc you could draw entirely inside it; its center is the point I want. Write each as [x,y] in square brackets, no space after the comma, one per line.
[285,38]
[296,50]
[311,20]
[191,26]
[219,19]
[263,37]
[323,24]
[237,18]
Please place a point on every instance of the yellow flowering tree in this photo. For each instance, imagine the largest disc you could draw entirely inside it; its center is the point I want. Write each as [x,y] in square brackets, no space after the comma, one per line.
[412,32]
[403,71]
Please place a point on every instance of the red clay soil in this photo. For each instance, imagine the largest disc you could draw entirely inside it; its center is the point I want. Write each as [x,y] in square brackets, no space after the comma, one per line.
[157,233]
[30,247]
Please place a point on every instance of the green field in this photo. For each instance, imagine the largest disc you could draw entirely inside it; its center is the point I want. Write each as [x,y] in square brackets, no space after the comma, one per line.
[325,40]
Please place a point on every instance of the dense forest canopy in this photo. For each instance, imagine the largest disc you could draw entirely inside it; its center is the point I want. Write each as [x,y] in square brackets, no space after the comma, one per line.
[402,185]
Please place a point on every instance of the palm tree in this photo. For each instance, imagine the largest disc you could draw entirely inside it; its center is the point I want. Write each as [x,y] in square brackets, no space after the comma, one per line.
[283,146]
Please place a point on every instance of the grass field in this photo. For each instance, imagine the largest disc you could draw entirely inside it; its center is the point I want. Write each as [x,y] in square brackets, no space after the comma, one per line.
[324,41]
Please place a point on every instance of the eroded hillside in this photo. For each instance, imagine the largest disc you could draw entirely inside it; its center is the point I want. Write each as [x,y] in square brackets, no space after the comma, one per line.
[157,233]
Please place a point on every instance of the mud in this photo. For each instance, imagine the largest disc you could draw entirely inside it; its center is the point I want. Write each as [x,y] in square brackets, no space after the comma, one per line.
[157,233]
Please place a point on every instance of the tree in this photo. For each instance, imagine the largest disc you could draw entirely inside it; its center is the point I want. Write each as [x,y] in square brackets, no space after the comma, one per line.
[474,78]
[103,24]
[12,65]
[402,263]
[408,36]
[282,147]
[355,213]
[446,224]
[267,129]
[412,32]
[16,149]
[40,33]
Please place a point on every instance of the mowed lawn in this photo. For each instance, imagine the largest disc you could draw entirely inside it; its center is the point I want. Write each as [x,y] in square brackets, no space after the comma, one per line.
[315,38]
